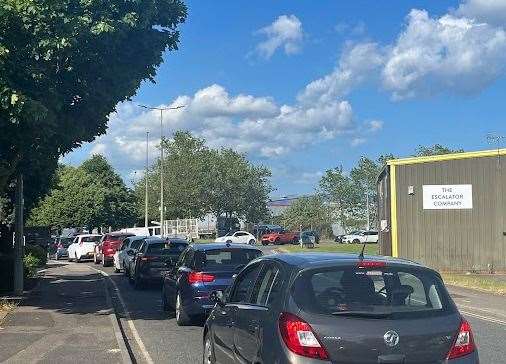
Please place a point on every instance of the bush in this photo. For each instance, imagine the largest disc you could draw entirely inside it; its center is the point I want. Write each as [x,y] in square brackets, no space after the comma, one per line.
[37,252]
[30,265]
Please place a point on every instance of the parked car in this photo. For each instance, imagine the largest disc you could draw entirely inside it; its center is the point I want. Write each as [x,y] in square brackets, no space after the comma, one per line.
[310,236]
[202,269]
[339,238]
[155,257]
[241,237]
[121,257]
[110,242]
[260,230]
[360,237]
[82,247]
[280,237]
[336,308]
[61,247]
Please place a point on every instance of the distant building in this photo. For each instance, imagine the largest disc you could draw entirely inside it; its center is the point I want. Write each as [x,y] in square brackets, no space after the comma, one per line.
[278,206]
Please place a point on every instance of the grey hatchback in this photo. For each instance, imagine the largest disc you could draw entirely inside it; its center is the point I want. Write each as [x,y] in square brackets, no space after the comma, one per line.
[337,308]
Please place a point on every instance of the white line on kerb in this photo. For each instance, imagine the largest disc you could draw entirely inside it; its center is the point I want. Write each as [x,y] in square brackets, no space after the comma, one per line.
[131,325]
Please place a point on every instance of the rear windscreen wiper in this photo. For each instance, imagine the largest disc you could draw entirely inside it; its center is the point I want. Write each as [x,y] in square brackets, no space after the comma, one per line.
[362,314]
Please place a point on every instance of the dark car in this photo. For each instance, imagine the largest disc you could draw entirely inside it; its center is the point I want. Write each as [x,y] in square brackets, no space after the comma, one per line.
[61,247]
[202,269]
[155,257]
[310,236]
[337,308]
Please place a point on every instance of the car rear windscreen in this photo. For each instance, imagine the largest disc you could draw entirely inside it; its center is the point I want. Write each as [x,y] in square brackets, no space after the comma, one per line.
[224,259]
[387,291]
[166,248]
[89,239]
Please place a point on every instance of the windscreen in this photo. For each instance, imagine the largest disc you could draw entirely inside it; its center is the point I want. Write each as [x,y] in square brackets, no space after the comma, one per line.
[89,239]
[136,244]
[166,248]
[387,291]
[224,259]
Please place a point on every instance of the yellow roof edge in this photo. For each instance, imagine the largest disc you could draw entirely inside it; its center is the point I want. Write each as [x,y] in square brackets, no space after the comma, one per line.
[447,157]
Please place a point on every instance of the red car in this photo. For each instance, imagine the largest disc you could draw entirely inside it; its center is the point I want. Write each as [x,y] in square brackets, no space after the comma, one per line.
[105,249]
[280,237]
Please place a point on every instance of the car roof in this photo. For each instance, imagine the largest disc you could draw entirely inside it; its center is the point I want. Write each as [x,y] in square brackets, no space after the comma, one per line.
[86,235]
[213,246]
[307,260]
[119,233]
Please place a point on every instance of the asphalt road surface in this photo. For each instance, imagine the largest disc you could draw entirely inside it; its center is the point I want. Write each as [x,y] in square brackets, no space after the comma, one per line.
[155,337]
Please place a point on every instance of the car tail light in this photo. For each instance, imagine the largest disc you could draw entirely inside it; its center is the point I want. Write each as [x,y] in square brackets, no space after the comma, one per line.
[464,342]
[199,277]
[366,264]
[299,337]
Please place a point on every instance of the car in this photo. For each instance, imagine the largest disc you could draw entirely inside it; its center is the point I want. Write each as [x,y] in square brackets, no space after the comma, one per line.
[310,236]
[336,308]
[82,247]
[110,242]
[61,247]
[361,237]
[122,256]
[153,259]
[241,237]
[280,237]
[339,238]
[202,269]
[260,230]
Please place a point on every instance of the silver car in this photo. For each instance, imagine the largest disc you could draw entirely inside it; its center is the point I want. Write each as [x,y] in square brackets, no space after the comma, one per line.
[336,308]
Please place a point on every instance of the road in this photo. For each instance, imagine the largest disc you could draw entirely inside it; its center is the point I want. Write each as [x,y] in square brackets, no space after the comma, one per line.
[155,337]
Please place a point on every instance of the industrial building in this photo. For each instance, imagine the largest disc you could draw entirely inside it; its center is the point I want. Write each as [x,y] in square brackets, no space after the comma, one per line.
[446,211]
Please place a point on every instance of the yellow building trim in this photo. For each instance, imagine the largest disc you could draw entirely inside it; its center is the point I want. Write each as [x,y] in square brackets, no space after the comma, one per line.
[393,212]
[447,157]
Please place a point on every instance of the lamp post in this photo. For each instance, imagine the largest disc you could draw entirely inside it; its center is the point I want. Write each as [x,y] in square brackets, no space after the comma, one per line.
[161,109]
[146,182]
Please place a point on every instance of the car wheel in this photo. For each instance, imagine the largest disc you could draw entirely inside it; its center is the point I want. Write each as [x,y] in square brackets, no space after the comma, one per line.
[208,351]
[56,257]
[78,260]
[264,243]
[229,241]
[252,242]
[182,318]
[95,260]
[116,270]
[356,241]
[104,263]
[277,241]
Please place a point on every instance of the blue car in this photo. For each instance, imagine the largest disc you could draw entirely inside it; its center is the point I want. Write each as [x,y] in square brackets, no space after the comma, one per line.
[200,270]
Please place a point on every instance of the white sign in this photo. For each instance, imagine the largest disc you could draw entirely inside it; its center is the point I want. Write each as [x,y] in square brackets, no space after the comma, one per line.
[447,197]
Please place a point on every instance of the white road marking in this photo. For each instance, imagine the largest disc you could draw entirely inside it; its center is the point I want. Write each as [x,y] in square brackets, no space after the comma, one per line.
[129,320]
[484,318]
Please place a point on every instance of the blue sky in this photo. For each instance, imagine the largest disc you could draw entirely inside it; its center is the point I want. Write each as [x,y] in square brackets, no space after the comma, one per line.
[306,86]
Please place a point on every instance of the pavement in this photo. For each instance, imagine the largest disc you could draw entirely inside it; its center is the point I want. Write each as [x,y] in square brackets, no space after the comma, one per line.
[67,321]
[67,318]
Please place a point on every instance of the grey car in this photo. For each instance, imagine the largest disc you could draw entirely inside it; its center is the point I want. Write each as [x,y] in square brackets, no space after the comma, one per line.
[336,308]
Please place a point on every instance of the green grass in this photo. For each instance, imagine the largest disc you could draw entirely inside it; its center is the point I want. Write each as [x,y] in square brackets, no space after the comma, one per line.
[487,283]
[332,248]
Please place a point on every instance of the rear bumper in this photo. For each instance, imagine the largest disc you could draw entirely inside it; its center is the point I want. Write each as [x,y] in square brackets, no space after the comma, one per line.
[472,358]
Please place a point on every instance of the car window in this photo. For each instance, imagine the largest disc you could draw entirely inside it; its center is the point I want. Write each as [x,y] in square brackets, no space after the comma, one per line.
[125,244]
[243,284]
[268,286]
[188,259]
[136,244]
[240,234]
[225,259]
[396,291]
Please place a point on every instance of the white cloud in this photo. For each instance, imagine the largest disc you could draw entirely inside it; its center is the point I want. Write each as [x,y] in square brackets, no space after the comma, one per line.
[375,125]
[355,142]
[284,33]
[452,54]
[357,63]
[488,11]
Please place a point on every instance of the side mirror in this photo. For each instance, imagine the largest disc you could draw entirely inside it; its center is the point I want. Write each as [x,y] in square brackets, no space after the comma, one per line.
[217,297]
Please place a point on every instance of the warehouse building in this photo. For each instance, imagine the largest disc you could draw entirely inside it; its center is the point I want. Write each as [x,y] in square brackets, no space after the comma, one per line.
[445,211]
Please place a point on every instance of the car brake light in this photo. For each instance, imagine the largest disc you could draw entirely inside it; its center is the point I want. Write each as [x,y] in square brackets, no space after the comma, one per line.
[371,264]
[199,277]
[300,338]
[464,342]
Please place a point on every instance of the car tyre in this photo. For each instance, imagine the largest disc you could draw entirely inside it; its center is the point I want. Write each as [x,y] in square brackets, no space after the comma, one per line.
[95,260]
[229,241]
[251,242]
[104,262]
[182,318]
[56,257]
[356,241]
[78,260]
[277,241]
[264,243]
[208,356]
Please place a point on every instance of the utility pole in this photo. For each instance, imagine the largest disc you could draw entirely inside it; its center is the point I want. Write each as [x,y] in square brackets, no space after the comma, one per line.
[161,109]
[146,222]
[19,236]
[368,214]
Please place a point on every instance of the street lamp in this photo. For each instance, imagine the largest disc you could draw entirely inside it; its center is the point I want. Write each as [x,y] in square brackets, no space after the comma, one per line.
[161,109]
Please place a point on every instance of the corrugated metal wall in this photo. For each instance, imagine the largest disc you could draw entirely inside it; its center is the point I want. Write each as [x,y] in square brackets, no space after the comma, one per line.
[460,240]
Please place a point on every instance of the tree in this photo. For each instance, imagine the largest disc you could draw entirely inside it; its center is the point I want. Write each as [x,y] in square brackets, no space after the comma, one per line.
[310,212]
[92,195]
[436,149]
[65,65]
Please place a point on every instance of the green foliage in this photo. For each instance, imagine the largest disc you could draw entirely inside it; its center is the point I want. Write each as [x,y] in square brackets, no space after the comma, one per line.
[309,212]
[37,252]
[199,180]
[436,149]
[65,65]
[92,195]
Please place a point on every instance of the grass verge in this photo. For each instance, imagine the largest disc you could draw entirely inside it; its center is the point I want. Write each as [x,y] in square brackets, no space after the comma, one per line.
[332,248]
[486,283]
